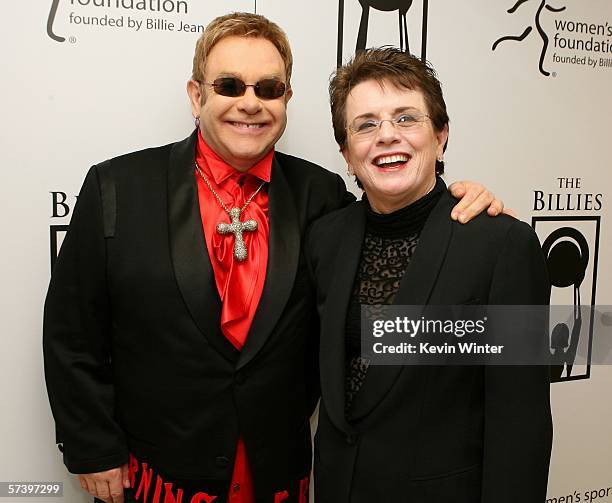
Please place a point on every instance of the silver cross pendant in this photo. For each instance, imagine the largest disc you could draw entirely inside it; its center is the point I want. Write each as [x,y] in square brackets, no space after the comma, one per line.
[236,227]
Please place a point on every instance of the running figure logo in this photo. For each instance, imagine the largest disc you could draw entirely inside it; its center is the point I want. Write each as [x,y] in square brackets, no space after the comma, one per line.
[543,5]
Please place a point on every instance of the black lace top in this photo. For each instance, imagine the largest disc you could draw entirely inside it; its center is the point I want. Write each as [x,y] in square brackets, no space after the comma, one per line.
[389,244]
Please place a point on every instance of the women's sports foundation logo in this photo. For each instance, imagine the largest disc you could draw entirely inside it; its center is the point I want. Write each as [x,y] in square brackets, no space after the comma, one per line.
[544,5]
[51,21]
[157,15]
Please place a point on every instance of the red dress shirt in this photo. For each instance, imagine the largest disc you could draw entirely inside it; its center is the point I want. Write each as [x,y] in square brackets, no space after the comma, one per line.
[239,284]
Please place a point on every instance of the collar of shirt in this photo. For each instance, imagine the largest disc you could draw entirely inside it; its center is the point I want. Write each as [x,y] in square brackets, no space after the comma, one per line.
[220,171]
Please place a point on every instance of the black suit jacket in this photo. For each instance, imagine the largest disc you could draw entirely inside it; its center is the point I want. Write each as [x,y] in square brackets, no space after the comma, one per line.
[460,434]
[134,356]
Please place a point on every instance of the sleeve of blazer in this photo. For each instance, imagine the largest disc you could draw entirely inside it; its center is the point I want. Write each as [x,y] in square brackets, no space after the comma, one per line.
[76,343]
[336,195]
[313,235]
[343,196]
[518,425]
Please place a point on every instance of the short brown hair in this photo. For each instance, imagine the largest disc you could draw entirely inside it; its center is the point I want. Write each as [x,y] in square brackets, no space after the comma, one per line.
[241,24]
[386,64]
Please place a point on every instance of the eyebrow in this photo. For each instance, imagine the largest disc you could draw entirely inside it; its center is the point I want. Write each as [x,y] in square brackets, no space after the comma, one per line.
[223,74]
[371,115]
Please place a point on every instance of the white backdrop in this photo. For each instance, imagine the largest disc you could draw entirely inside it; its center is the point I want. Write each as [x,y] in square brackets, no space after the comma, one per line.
[108,90]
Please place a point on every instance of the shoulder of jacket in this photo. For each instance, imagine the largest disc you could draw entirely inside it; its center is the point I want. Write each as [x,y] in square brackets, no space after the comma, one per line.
[296,166]
[496,233]
[151,154]
[333,222]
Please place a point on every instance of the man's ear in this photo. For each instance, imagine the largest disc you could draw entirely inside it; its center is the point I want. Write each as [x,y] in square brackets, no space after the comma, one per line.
[288,95]
[194,91]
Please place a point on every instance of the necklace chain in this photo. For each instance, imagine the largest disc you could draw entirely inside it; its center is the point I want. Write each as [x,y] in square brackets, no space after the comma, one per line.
[201,173]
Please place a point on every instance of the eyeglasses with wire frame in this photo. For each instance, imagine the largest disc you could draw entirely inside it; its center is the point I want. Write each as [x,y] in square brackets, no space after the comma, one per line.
[366,127]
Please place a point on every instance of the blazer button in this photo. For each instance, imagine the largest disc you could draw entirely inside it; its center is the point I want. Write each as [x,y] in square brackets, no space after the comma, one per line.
[240,378]
[351,439]
[222,461]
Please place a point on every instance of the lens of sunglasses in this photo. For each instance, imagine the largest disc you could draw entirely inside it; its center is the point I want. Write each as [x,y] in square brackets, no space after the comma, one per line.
[267,89]
[229,86]
[270,89]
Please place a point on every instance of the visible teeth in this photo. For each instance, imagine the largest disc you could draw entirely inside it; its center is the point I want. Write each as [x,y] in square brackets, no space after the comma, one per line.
[391,158]
[247,126]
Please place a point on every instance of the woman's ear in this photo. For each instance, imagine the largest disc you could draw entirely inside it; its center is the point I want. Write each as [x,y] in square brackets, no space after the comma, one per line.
[441,138]
[347,159]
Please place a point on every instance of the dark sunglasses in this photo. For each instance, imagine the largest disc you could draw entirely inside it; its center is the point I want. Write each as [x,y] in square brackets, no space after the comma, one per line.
[266,89]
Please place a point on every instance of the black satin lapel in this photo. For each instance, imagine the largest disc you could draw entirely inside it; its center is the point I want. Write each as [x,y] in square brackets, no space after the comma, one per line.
[415,290]
[192,267]
[283,257]
[333,327]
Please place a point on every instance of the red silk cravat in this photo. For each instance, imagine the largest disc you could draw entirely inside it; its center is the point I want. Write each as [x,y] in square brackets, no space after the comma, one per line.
[239,284]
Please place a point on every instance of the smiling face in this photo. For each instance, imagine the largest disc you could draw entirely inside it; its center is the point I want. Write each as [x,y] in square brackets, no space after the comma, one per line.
[395,165]
[243,129]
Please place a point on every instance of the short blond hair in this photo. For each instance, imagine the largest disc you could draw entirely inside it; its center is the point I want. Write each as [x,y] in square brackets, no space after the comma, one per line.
[241,24]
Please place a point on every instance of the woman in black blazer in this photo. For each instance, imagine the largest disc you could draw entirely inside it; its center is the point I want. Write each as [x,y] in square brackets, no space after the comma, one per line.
[460,434]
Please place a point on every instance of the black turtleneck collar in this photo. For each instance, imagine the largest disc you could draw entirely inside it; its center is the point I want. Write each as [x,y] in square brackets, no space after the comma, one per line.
[406,221]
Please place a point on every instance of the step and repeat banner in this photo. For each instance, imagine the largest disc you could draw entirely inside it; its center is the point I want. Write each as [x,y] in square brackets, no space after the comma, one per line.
[527,84]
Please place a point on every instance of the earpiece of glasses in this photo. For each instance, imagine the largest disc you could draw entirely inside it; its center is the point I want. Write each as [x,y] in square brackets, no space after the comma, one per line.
[266,89]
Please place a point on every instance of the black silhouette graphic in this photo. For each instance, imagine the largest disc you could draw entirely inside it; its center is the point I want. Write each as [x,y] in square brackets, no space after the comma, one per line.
[56,232]
[51,20]
[543,5]
[401,6]
[567,256]
[385,6]
[570,245]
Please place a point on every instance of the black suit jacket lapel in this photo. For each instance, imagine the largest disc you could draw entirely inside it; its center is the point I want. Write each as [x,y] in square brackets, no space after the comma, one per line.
[283,256]
[415,290]
[192,267]
[332,345]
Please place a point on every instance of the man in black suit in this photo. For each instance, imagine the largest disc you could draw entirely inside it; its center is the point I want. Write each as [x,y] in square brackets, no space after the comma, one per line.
[154,385]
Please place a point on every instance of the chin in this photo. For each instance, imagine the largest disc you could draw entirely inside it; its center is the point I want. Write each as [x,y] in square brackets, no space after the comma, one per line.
[248,155]
[395,189]
[250,147]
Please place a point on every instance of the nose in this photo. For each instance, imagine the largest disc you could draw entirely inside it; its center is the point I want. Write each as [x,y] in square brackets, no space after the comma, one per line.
[387,133]
[249,102]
